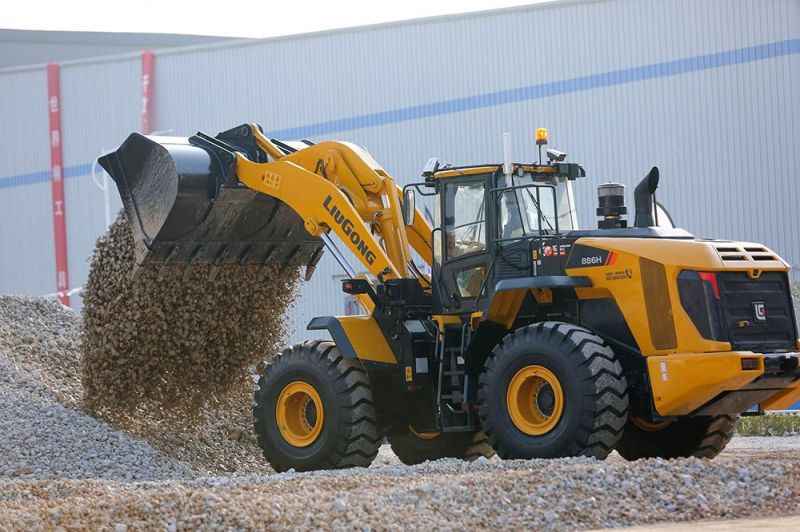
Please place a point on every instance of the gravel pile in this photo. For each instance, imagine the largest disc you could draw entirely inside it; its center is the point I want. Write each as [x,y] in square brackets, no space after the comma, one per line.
[42,434]
[41,388]
[41,336]
[447,494]
[180,388]
[171,340]
[217,440]
[60,467]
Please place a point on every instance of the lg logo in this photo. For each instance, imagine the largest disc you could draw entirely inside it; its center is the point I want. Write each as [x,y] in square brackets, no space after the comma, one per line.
[759,311]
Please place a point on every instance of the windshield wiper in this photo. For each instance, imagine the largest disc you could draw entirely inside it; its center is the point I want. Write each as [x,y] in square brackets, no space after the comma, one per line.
[539,210]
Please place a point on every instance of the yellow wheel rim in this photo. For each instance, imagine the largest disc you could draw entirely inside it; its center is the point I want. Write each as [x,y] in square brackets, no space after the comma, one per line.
[535,400]
[650,426]
[299,414]
[424,435]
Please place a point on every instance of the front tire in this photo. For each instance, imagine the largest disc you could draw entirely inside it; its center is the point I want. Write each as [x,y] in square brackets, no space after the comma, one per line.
[414,448]
[701,437]
[314,410]
[550,390]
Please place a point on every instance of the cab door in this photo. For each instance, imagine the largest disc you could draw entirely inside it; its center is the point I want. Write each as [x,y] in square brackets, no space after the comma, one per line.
[464,246]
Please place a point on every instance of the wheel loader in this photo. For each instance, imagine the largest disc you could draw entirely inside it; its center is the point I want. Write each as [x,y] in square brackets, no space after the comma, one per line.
[501,327]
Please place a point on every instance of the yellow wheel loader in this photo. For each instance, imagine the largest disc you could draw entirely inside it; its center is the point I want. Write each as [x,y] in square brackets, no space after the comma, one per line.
[503,328]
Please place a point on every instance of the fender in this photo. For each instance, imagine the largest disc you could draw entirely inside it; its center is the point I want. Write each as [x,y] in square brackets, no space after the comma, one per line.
[509,293]
[543,281]
[357,337]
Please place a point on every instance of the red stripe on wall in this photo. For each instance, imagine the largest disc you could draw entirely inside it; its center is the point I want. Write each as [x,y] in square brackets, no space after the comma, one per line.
[148,70]
[57,179]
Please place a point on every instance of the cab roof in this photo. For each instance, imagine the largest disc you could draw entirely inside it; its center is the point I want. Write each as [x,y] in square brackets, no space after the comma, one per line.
[569,170]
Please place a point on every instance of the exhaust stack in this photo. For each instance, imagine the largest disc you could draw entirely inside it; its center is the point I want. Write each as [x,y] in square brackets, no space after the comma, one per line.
[645,199]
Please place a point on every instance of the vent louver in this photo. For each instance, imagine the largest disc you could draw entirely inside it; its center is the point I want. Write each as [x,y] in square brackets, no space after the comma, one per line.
[737,252]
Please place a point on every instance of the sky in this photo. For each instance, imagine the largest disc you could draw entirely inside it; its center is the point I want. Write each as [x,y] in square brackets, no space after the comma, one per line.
[240,18]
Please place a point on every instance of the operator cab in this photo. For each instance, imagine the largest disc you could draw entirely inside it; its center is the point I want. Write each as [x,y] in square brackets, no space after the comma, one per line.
[497,222]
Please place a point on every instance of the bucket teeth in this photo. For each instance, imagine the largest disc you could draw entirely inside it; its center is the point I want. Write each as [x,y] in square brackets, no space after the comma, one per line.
[136,273]
[312,263]
[188,270]
[291,260]
[172,254]
[162,272]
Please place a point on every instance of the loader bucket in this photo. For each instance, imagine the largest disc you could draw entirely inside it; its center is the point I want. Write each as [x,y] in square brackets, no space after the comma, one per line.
[187,208]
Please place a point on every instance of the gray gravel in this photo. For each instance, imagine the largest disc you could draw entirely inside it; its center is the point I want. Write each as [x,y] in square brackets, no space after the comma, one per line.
[40,340]
[446,494]
[40,439]
[42,434]
[62,468]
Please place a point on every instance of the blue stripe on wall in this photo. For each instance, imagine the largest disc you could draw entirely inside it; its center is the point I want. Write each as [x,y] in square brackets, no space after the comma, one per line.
[77,170]
[544,90]
[44,175]
[492,99]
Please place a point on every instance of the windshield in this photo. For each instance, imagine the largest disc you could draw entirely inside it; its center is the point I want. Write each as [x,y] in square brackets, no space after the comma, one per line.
[529,208]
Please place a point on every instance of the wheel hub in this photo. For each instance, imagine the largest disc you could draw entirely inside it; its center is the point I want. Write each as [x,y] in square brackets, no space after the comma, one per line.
[424,435]
[649,426]
[546,400]
[299,414]
[535,400]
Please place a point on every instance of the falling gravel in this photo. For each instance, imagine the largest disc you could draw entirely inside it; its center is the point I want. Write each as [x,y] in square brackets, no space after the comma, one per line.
[175,339]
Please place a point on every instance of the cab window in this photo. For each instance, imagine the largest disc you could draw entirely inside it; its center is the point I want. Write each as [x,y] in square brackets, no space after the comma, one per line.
[469,280]
[527,210]
[465,218]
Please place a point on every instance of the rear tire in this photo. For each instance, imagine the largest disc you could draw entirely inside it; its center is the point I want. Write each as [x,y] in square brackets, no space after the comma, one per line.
[414,449]
[553,390]
[701,437]
[325,407]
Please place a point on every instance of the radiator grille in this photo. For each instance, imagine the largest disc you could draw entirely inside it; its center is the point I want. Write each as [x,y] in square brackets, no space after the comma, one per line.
[657,302]
[730,251]
[771,330]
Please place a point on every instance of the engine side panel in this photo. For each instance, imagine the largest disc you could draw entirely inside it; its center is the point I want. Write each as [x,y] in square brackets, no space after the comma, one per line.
[640,275]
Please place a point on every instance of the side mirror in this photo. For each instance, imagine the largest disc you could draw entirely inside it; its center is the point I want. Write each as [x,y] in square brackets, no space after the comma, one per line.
[409,206]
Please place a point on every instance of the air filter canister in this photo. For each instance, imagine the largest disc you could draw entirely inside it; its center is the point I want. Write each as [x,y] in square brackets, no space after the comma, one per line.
[611,206]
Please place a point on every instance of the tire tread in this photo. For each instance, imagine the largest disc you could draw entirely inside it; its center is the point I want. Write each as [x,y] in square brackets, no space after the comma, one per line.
[357,440]
[700,437]
[602,381]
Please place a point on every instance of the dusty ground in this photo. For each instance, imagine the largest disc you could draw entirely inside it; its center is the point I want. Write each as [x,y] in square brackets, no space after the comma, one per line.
[738,525]
[765,447]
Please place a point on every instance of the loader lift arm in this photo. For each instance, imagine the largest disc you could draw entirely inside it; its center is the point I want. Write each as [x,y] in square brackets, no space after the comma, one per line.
[337,186]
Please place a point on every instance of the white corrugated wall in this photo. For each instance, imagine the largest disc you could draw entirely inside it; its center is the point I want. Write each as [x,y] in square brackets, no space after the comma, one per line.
[27,256]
